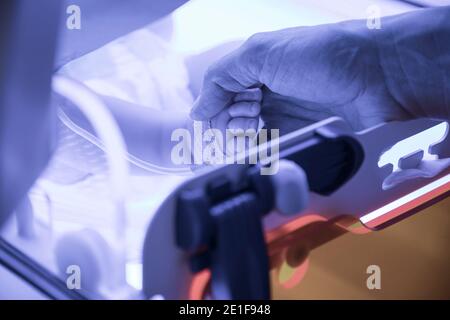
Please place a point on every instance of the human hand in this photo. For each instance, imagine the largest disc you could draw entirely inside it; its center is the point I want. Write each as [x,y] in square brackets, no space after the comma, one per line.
[305,74]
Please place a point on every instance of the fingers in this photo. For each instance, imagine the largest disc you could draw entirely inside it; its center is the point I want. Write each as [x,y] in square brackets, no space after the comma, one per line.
[245,109]
[243,113]
[212,99]
[243,124]
[223,81]
[240,116]
[221,120]
[252,94]
[246,103]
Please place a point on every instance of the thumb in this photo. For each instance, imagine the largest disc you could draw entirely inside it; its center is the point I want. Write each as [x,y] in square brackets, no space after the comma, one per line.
[230,75]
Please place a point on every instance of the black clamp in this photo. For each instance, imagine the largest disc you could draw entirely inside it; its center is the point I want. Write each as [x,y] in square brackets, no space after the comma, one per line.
[220,226]
[221,229]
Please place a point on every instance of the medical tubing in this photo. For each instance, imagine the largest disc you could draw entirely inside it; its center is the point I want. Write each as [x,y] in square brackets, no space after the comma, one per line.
[142,164]
[109,133]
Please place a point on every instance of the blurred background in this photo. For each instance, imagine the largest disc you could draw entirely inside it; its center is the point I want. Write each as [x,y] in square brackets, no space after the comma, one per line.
[162,65]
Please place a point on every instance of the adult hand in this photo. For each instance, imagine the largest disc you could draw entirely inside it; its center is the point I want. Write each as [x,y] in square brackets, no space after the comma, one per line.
[305,74]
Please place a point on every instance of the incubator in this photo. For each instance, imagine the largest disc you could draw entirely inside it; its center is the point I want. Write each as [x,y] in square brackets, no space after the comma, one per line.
[100,221]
